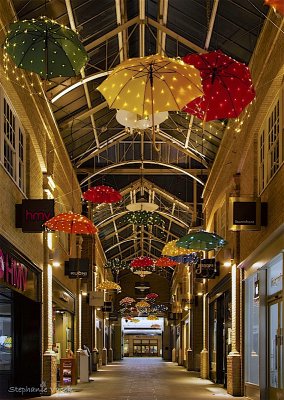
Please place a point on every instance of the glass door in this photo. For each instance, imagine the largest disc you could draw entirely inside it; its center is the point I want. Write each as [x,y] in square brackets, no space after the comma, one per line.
[275,349]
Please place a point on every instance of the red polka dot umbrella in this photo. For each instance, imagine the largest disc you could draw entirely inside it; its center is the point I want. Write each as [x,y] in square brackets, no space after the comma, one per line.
[102,194]
[165,262]
[141,262]
[71,223]
[278,5]
[226,83]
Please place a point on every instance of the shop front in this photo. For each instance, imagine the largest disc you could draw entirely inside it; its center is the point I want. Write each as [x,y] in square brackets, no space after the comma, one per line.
[20,322]
[63,320]
[220,325]
[264,350]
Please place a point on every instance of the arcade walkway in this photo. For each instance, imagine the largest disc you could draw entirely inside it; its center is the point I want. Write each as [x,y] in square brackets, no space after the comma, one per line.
[145,379]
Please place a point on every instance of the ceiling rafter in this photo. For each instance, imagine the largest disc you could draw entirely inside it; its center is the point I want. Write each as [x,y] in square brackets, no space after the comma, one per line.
[82,72]
[162,18]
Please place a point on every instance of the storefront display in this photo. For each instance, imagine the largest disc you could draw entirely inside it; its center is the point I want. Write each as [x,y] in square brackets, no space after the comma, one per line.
[20,335]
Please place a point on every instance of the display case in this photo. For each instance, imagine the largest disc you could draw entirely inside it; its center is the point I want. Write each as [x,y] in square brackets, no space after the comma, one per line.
[68,371]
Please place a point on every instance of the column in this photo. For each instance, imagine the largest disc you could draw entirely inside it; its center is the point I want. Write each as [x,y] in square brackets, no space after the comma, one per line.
[95,351]
[49,357]
[110,351]
[189,353]
[78,309]
[204,355]
[234,361]
[104,350]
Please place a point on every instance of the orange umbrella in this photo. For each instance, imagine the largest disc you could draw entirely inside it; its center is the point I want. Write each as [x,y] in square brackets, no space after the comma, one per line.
[71,223]
[165,262]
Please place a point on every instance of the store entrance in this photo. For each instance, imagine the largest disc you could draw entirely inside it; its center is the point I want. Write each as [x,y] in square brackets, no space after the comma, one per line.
[27,348]
[275,350]
[145,348]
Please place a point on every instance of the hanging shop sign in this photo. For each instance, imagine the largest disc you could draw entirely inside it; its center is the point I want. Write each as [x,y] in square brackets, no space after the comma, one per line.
[96,298]
[32,214]
[108,306]
[244,214]
[77,268]
[207,268]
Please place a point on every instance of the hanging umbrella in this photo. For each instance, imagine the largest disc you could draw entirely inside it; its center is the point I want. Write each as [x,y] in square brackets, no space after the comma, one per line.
[226,83]
[278,5]
[71,223]
[144,218]
[142,262]
[170,249]
[151,296]
[149,85]
[126,300]
[165,262]
[45,47]
[102,194]
[108,285]
[201,240]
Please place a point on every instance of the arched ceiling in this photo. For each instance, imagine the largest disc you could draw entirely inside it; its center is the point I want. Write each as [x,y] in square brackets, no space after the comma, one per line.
[103,151]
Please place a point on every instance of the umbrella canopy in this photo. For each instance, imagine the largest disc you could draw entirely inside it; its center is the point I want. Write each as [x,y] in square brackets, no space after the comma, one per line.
[45,47]
[143,218]
[71,223]
[170,249]
[278,5]
[165,262]
[102,194]
[141,262]
[201,240]
[226,83]
[126,300]
[148,85]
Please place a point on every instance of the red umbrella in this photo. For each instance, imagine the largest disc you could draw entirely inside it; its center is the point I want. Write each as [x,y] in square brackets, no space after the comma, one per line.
[165,262]
[71,223]
[141,262]
[278,5]
[102,194]
[226,84]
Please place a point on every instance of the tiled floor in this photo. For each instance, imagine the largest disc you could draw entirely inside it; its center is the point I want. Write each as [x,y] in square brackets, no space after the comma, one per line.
[145,379]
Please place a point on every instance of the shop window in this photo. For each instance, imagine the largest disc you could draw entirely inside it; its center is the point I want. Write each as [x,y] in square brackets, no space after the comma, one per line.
[270,144]
[275,275]
[251,332]
[5,335]
[12,154]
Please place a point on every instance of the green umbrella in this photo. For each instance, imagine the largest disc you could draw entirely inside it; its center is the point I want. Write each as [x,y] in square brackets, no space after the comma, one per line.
[45,47]
[201,240]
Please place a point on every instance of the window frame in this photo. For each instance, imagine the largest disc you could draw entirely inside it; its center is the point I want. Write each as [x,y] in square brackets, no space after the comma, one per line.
[18,175]
[270,144]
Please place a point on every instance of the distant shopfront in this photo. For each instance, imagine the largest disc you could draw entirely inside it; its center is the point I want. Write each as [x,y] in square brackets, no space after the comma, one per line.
[20,321]
[63,319]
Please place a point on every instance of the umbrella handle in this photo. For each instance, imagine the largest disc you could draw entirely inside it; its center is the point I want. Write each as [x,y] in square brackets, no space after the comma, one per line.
[157,148]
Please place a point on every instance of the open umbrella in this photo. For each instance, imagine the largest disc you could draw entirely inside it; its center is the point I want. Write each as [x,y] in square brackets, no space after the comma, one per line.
[144,218]
[45,47]
[149,85]
[71,223]
[226,83]
[278,5]
[170,249]
[201,240]
[165,262]
[102,194]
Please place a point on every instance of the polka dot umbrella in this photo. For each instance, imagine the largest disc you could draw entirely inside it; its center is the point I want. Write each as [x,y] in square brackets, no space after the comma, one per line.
[171,249]
[45,47]
[201,240]
[71,223]
[165,262]
[152,84]
[102,194]
[226,83]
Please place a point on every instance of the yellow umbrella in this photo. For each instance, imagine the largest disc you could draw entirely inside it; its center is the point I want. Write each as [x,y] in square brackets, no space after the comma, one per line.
[170,249]
[148,85]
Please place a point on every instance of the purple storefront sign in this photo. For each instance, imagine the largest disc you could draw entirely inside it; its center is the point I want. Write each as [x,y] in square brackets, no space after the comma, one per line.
[12,271]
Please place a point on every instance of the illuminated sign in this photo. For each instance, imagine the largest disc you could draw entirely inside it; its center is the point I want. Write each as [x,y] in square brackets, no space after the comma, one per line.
[12,271]
[32,214]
